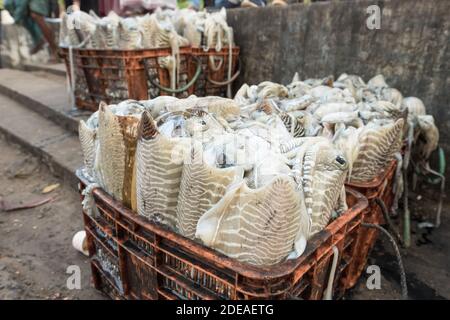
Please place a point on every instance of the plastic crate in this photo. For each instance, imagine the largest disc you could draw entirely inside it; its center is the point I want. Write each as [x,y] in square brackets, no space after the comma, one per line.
[103,284]
[113,76]
[381,188]
[213,79]
[157,263]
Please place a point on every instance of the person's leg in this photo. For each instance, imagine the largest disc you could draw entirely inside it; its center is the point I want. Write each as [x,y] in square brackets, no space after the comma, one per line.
[36,34]
[46,31]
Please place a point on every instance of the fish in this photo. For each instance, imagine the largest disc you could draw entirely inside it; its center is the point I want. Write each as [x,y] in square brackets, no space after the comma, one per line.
[324,169]
[106,34]
[129,34]
[332,107]
[297,89]
[77,28]
[336,95]
[296,104]
[256,226]
[117,137]
[191,25]
[429,136]
[158,172]
[202,186]
[415,107]
[389,111]
[392,95]
[294,123]
[347,118]
[195,123]
[354,80]
[217,33]
[347,140]
[342,206]
[377,82]
[268,166]
[112,152]
[159,32]
[159,105]
[268,89]
[379,141]
[241,97]
[88,137]
[221,107]
[327,81]
[162,29]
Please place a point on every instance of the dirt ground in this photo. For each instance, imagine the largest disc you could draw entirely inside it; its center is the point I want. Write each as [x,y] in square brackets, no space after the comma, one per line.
[426,261]
[35,244]
[36,249]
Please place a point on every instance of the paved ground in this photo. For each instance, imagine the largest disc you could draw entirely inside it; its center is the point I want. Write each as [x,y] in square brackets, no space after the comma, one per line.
[35,244]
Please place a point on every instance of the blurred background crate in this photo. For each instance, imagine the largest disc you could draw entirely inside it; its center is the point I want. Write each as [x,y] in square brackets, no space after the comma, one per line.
[113,76]
[213,80]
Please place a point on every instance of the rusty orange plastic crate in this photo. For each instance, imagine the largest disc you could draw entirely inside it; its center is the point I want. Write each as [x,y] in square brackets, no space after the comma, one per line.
[103,284]
[157,263]
[117,75]
[213,79]
[379,188]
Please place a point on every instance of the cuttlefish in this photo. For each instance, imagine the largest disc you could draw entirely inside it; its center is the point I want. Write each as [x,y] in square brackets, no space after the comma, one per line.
[379,142]
[202,186]
[117,138]
[322,169]
[158,172]
[87,133]
[257,226]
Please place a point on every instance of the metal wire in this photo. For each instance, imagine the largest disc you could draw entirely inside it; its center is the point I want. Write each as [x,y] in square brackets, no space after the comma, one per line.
[403,283]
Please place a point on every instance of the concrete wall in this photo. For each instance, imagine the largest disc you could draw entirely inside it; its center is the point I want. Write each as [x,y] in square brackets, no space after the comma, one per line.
[411,49]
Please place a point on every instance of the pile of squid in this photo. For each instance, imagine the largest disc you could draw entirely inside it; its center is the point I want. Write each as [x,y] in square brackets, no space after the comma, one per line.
[371,123]
[368,122]
[162,29]
[201,168]
[254,177]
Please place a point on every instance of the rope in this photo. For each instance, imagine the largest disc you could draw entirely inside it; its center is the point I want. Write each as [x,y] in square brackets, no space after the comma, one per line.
[182,89]
[441,179]
[175,48]
[403,284]
[398,186]
[386,216]
[220,84]
[88,202]
[213,29]
[72,79]
[329,290]
[212,64]
[230,59]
